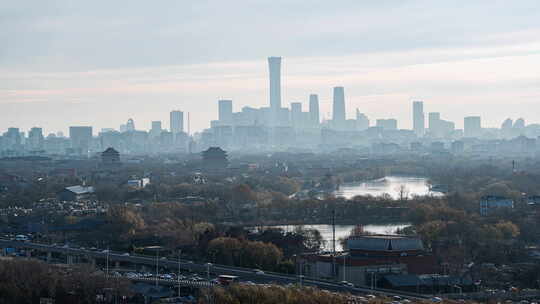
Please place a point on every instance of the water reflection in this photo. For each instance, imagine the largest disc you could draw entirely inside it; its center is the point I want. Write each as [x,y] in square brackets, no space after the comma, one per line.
[395,186]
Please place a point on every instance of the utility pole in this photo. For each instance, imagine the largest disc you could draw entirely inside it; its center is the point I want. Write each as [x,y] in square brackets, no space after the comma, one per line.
[157,266]
[344,265]
[334,230]
[334,272]
[107,271]
[178,276]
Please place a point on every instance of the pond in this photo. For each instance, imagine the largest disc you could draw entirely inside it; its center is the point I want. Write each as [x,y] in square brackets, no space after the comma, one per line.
[393,185]
[342,231]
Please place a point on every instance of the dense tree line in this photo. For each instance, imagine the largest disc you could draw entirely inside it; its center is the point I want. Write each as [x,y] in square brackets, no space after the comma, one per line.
[275,294]
[26,281]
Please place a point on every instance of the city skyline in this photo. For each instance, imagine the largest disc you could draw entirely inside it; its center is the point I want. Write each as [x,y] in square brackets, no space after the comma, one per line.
[383,61]
[420,120]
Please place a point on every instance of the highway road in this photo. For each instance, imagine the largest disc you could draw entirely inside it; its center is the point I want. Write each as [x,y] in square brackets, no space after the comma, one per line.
[244,274]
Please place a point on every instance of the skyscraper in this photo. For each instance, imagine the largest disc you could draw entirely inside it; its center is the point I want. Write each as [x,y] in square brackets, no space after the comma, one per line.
[177,122]
[35,138]
[472,126]
[434,119]
[387,124]
[274,66]
[362,121]
[225,112]
[296,114]
[418,118]
[314,109]
[338,114]
[156,130]
[156,125]
[130,125]
[80,138]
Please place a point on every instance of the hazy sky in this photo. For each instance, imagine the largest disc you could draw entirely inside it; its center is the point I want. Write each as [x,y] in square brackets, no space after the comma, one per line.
[99,63]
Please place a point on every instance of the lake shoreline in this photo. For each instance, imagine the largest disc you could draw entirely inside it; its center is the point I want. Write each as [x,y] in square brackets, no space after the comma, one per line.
[394,185]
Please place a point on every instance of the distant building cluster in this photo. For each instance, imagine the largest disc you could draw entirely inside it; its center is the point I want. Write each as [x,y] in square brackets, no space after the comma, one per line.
[278,127]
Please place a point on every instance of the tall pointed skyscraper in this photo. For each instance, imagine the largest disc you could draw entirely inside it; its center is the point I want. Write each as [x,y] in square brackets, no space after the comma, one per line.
[314,110]
[274,66]
[338,114]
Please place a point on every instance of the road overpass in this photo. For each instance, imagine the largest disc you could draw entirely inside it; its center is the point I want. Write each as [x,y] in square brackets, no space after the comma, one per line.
[245,274]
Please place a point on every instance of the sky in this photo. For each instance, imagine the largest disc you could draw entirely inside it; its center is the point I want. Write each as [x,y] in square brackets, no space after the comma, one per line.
[65,63]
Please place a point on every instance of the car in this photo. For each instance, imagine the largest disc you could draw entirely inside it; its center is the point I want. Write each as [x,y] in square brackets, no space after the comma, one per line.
[105,251]
[163,258]
[21,238]
[259,272]
[125,254]
[436,300]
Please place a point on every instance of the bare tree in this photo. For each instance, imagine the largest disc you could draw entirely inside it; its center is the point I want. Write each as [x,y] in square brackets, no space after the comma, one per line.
[403,193]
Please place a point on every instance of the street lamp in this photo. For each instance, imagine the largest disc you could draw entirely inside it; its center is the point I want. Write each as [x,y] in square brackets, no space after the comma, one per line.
[344,267]
[178,276]
[157,267]
[208,271]
[107,258]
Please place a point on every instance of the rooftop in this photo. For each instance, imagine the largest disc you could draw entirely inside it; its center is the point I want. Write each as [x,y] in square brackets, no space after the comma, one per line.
[80,189]
[384,243]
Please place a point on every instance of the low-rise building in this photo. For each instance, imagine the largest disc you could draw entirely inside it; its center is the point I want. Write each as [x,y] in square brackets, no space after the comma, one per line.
[370,257]
[490,203]
[75,193]
[138,183]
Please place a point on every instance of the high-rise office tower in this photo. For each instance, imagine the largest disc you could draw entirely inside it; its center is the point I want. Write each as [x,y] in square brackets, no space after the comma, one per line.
[418,118]
[130,125]
[156,125]
[296,114]
[434,119]
[362,121]
[338,114]
[156,130]
[472,126]
[314,118]
[80,138]
[387,124]
[507,124]
[225,112]
[519,124]
[177,122]
[12,137]
[35,138]
[274,66]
